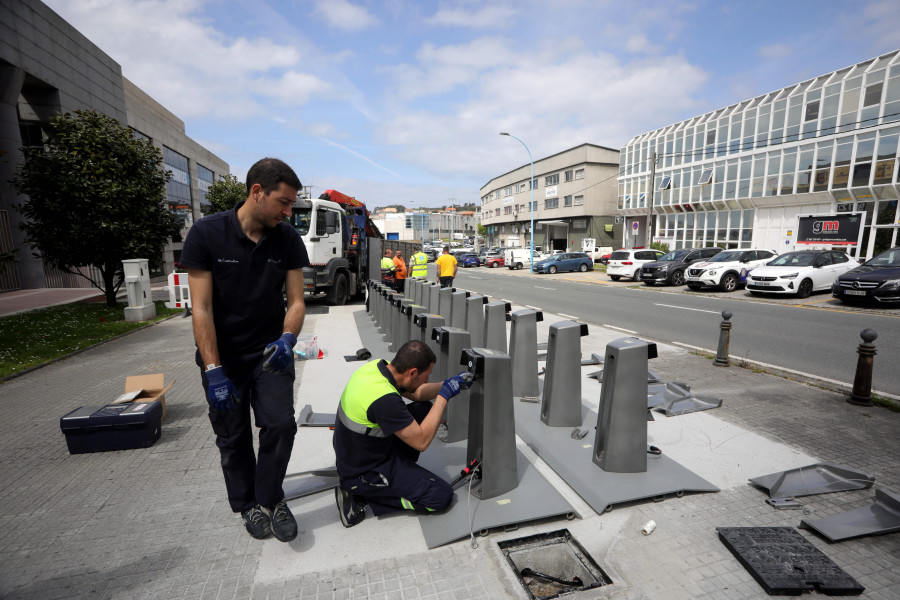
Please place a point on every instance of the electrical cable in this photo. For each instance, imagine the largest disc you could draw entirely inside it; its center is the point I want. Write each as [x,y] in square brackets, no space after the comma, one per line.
[575,582]
[469,507]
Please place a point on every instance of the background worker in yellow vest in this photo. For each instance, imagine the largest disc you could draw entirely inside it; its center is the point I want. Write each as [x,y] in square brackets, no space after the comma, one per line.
[387,268]
[446,268]
[378,437]
[418,265]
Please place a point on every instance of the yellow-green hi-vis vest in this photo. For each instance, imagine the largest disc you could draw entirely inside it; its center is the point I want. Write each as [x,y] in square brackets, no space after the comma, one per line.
[366,386]
[419,265]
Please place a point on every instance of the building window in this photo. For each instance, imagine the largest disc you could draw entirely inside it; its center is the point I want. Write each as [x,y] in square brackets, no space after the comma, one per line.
[507,210]
[570,175]
[579,173]
[812,111]
[178,188]
[551,203]
[496,212]
[665,183]
[551,179]
[567,201]
[873,94]
[579,201]
[534,183]
[507,191]
[205,178]
[705,177]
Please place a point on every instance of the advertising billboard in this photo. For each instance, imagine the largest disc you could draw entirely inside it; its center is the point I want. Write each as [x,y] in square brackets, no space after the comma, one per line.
[842,229]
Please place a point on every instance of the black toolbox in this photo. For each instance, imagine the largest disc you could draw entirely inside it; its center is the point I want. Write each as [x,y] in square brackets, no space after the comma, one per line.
[112,427]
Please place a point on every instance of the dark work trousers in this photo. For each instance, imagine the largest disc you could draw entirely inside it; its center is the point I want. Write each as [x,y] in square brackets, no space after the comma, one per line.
[401,484]
[249,479]
[446,282]
[400,286]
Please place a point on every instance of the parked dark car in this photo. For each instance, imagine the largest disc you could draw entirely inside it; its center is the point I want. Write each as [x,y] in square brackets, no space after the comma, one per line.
[469,260]
[877,279]
[567,261]
[431,254]
[670,268]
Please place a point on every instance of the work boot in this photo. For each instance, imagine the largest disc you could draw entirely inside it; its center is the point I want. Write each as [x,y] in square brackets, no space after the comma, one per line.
[352,512]
[257,522]
[284,526]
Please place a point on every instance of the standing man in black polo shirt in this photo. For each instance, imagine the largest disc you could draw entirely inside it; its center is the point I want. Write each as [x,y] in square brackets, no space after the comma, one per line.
[238,263]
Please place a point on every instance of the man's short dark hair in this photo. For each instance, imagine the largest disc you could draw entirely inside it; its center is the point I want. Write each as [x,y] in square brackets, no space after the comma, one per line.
[413,355]
[446,248]
[269,173]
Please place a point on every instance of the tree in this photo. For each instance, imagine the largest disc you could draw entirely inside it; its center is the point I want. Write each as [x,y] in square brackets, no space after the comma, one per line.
[225,193]
[95,197]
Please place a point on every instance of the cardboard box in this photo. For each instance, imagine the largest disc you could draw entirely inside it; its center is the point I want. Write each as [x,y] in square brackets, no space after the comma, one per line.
[145,388]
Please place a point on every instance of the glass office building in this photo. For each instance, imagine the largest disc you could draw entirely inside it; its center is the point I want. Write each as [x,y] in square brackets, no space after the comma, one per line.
[740,176]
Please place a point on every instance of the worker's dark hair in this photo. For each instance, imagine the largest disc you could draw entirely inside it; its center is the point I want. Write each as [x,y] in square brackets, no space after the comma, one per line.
[413,355]
[269,173]
[446,248]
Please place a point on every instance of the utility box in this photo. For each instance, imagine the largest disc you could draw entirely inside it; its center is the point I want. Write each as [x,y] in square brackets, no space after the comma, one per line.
[137,285]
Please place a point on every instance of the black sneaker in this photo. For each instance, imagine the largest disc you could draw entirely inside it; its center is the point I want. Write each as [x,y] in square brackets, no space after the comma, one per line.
[257,522]
[352,512]
[284,525]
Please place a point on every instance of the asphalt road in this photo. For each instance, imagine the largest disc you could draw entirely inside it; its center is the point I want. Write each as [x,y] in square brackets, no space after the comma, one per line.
[816,336]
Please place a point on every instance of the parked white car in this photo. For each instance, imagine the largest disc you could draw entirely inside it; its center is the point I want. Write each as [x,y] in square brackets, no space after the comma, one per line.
[727,270]
[800,273]
[628,263]
[517,258]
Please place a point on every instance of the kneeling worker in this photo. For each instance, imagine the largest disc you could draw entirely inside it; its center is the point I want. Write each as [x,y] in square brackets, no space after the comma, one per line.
[378,437]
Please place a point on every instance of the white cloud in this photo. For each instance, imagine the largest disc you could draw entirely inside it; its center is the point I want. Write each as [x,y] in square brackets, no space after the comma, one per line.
[551,100]
[775,51]
[345,15]
[169,49]
[493,15]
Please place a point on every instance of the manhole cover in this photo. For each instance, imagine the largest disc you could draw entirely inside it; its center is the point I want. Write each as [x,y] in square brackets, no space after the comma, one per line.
[783,562]
[550,564]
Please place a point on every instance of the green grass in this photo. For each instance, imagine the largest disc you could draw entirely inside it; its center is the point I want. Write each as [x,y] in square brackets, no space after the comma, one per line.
[32,338]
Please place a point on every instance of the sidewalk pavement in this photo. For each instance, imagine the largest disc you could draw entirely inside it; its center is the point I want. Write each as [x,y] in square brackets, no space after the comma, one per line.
[24,300]
[155,523]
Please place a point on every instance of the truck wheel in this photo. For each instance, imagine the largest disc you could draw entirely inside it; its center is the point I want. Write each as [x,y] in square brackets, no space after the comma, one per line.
[729,282]
[337,295]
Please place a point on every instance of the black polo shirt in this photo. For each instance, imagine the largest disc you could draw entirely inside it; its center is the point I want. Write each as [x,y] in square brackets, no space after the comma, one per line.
[248,279]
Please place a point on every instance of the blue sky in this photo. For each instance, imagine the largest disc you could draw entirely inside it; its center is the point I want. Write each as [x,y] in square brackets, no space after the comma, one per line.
[398,101]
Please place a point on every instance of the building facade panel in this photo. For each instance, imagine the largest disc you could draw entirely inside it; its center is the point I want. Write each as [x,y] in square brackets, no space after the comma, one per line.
[574,198]
[827,145]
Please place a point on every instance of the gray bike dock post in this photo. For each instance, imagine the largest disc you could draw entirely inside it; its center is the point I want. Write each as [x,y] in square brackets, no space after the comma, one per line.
[561,400]
[392,312]
[379,306]
[523,351]
[410,312]
[492,429]
[445,299]
[426,322]
[474,322]
[401,324]
[495,325]
[422,292]
[458,308]
[409,288]
[452,341]
[434,299]
[620,443]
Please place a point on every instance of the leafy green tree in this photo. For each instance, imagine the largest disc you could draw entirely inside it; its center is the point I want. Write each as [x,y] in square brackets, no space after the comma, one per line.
[95,197]
[482,231]
[660,246]
[225,193]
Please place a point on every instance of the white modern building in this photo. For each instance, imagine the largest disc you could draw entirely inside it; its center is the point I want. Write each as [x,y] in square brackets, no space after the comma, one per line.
[743,175]
[574,199]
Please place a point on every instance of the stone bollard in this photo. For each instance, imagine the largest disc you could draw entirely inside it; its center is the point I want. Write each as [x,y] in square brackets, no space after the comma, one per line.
[862,382]
[724,339]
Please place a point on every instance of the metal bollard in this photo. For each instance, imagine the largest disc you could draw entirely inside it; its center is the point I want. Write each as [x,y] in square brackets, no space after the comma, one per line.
[862,382]
[724,340]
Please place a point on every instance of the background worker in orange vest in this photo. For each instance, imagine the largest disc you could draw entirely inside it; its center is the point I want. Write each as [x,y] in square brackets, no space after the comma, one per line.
[400,271]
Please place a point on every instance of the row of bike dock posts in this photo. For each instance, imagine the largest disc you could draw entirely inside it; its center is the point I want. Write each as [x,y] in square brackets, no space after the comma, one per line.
[467,332]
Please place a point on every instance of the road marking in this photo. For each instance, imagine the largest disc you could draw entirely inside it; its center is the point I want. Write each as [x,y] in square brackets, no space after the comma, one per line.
[534,307]
[475,277]
[620,329]
[568,316]
[686,308]
[537,287]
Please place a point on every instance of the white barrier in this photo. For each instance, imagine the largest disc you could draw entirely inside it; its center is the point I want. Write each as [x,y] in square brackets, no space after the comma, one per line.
[179,293]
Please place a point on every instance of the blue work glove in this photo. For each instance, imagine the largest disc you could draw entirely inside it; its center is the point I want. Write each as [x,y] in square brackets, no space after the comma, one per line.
[455,384]
[220,391]
[280,353]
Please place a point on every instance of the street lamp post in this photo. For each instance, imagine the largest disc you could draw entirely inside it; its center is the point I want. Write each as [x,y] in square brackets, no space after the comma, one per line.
[531,185]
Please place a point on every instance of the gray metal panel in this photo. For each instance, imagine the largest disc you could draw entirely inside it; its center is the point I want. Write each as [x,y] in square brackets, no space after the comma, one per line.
[452,340]
[370,338]
[475,318]
[403,330]
[434,299]
[306,484]
[620,442]
[308,418]
[495,325]
[561,395]
[572,459]
[523,351]
[445,303]
[427,323]
[534,498]
[819,478]
[376,251]
[883,516]
[458,308]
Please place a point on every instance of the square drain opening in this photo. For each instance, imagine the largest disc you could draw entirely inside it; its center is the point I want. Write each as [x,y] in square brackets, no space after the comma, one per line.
[550,564]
